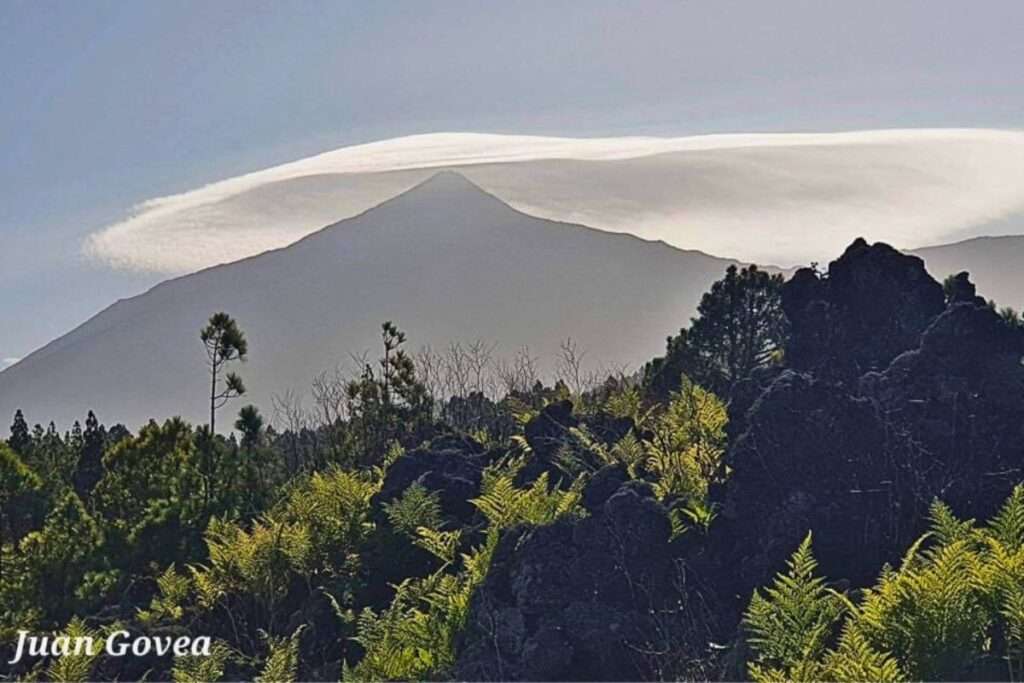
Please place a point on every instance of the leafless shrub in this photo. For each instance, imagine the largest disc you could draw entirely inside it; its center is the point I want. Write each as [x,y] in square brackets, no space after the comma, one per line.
[430,369]
[479,356]
[288,412]
[570,370]
[518,374]
[292,419]
[328,390]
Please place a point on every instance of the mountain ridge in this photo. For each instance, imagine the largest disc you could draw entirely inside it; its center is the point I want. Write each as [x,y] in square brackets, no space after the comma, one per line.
[439,176]
[992,260]
[444,259]
[430,221]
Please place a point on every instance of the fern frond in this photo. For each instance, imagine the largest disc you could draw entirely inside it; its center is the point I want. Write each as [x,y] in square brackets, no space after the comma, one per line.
[856,660]
[946,527]
[77,665]
[201,669]
[417,507]
[792,622]
[441,544]
[1008,524]
[282,664]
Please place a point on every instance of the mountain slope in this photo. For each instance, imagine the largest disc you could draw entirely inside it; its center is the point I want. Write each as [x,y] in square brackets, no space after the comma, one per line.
[444,260]
[995,265]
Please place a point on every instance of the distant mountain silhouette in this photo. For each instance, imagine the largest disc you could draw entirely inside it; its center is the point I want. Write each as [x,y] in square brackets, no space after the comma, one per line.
[996,265]
[444,260]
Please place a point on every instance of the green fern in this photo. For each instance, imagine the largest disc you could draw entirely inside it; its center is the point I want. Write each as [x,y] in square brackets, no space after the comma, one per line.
[1007,526]
[174,590]
[695,514]
[282,663]
[504,505]
[857,660]
[417,507]
[1012,611]
[443,545]
[499,501]
[414,638]
[77,665]
[792,623]
[201,669]
[626,402]
[946,527]
[259,562]
[930,615]
[959,586]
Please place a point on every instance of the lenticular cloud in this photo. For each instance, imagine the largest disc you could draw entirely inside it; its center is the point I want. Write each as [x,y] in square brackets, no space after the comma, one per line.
[770,198]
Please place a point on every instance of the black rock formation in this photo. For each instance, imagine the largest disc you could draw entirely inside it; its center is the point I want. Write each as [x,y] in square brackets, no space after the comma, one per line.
[451,467]
[890,402]
[886,401]
[872,305]
[602,598]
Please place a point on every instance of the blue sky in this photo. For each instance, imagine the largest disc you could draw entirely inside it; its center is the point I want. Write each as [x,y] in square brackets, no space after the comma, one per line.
[107,104]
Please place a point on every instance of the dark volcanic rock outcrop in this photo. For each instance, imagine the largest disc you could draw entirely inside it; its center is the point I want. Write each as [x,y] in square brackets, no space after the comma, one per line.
[601,598]
[873,304]
[452,467]
[891,401]
[958,400]
[546,432]
[888,399]
[812,457]
[962,290]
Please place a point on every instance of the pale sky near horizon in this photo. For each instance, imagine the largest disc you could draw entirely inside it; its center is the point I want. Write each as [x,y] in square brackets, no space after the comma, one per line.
[107,104]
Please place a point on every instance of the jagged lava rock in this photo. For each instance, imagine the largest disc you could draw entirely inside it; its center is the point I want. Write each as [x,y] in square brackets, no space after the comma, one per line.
[858,459]
[601,598]
[451,467]
[812,457]
[959,401]
[873,304]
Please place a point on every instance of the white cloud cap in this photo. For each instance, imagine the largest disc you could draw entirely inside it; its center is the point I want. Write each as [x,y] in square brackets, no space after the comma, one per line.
[779,198]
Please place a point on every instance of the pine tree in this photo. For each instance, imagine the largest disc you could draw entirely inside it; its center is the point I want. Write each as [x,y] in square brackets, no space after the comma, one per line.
[225,342]
[20,439]
[250,425]
[90,458]
[388,403]
[739,326]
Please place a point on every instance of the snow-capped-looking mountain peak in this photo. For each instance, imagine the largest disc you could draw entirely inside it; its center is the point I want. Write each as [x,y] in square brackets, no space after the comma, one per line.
[779,198]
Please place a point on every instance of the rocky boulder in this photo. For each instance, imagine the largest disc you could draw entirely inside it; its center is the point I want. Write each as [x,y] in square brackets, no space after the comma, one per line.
[958,400]
[601,598]
[546,432]
[960,289]
[812,457]
[452,467]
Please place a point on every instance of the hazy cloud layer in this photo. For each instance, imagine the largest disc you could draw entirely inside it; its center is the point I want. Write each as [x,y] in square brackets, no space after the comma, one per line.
[781,198]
